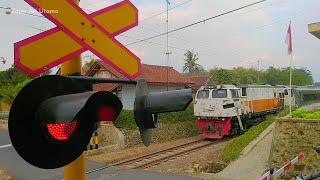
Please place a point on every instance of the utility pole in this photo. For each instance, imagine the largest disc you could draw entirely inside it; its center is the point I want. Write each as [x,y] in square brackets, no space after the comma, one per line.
[258,71]
[168,53]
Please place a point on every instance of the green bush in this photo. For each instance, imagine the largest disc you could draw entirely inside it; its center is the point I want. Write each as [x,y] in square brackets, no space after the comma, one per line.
[305,114]
[174,117]
[126,118]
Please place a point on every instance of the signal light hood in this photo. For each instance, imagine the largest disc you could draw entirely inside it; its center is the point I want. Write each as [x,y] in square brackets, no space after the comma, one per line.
[52,119]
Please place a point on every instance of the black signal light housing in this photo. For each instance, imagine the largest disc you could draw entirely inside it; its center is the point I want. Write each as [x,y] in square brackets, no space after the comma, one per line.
[52,119]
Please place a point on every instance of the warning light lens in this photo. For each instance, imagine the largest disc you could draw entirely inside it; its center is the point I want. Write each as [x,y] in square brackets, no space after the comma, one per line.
[62,132]
[106,114]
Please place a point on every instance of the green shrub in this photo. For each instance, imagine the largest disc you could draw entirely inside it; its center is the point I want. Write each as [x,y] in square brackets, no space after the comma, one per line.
[299,113]
[305,114]
[174,117]
[126,118]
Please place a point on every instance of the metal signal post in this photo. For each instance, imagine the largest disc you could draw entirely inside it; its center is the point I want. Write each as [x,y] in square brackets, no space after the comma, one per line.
[76,169]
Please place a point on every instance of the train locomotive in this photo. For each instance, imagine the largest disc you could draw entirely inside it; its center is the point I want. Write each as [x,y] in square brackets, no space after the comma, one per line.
[224,110]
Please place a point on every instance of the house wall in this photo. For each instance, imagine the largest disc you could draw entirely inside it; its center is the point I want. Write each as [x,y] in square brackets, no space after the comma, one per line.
[103,74]
[129,93]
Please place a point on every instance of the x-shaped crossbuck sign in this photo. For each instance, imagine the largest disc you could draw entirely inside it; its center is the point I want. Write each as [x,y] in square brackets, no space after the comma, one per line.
[77,32]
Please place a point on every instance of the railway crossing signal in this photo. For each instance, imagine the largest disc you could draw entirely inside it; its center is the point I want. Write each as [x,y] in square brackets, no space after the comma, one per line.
[77,32]
[52,118]
[148,105]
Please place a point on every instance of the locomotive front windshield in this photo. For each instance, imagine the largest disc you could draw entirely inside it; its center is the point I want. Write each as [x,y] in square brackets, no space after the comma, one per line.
[203,94]
[219,93]
[234,93]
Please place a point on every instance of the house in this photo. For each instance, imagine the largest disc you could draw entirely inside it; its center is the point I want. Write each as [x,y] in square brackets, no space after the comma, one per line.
[155,76]
[198,82]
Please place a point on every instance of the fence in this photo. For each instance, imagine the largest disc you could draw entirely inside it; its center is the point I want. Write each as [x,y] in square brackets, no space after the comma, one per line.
[275,174]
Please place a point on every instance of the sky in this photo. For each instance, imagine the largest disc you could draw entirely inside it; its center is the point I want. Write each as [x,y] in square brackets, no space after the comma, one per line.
[243,38]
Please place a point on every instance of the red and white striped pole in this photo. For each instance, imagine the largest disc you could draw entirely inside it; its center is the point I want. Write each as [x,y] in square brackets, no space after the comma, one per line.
[282,170]
[266,176]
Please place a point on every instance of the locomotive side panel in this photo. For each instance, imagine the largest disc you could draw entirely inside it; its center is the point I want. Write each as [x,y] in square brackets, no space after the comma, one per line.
[261,99]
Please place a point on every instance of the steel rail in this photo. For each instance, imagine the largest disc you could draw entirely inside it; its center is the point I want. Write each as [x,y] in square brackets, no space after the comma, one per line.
[202,143]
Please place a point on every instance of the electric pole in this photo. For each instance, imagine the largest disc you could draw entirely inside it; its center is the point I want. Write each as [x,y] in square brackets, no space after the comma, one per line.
[258,71]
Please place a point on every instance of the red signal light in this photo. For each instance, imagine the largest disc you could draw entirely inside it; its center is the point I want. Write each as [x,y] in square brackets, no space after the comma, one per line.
[62,132]
[106,114]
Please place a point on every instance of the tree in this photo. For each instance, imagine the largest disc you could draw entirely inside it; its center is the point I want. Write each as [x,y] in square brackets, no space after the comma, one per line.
[190,65]
[222,76]
[246,76]
[11,82]
[300,76]
[9,92]
[272,76]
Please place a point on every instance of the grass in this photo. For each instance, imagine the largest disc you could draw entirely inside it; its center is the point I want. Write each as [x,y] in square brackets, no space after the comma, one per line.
[285,111]
[233,149]
[303,114]
[126,118]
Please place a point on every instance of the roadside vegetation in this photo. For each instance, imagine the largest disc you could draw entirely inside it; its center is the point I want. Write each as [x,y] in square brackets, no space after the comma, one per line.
[303,114]
[233,149]
[126,118]
[171,126]
[11,81]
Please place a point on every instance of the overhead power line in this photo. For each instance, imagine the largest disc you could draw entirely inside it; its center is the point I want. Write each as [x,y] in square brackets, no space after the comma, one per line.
[198,22]
[162,12]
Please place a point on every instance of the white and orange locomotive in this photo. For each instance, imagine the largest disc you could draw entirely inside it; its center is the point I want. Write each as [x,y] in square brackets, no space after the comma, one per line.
[224,110]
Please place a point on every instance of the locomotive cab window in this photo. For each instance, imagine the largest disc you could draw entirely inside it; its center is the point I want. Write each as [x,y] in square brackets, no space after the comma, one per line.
[203,94]
[234,93]
[244,92]
[220,93]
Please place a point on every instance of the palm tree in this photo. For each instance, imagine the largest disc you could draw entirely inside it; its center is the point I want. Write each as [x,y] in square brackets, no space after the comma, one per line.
[190,65]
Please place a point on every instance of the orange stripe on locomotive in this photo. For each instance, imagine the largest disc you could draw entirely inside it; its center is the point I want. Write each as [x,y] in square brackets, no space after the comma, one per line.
[260,105]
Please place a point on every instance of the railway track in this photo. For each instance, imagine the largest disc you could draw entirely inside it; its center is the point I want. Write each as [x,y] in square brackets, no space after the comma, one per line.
[155,158]
[158,157]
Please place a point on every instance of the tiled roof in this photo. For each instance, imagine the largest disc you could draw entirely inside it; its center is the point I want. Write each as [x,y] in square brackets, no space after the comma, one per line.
[98,65]
[199,80]
[105,87]
[151,73]
[158,74]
